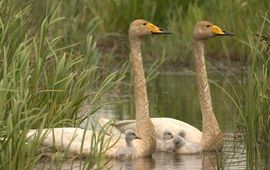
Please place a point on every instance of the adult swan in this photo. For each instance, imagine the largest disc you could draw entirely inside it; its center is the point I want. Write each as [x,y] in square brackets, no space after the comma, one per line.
[72,139]
[211,137]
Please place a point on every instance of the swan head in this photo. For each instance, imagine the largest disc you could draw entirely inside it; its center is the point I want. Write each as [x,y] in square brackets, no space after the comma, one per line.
[182,134]
[167,135]
[131,135]
[205,29]
[140,28]
[178,142]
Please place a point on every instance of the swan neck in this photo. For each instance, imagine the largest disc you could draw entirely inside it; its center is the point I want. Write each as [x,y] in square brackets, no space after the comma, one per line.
[210,127]
[128,142]
[145,128]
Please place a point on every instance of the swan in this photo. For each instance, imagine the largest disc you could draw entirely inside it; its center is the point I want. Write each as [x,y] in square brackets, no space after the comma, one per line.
[211,137]
[181,145]
[128,152]
[164,143]
[73,139]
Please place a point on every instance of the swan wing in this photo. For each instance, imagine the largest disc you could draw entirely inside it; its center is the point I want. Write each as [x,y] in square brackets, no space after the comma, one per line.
[76,140]
[123,125]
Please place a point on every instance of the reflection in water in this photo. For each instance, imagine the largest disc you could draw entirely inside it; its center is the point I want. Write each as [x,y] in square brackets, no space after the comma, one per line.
[140,164]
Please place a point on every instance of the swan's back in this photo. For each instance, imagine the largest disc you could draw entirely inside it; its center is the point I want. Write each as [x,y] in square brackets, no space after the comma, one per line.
[65,138]
[77,140]
[192,134]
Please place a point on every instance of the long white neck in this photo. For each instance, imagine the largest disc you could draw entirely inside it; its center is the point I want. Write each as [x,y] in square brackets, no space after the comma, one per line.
[145,128]
[212,138]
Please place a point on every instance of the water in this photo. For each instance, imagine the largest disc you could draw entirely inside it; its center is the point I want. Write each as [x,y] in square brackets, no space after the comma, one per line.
[175,95]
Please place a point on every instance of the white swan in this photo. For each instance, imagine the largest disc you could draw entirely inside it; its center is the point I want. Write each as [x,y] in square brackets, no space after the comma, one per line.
[211,137]
[73,139]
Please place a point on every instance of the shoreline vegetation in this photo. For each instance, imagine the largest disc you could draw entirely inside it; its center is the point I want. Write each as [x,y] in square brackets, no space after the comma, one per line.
[55,56]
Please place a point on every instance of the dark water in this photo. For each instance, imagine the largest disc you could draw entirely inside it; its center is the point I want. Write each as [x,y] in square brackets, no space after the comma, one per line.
[175,95]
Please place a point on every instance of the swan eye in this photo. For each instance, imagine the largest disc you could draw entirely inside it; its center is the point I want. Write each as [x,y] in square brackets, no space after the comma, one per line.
[144,23]
[168,133]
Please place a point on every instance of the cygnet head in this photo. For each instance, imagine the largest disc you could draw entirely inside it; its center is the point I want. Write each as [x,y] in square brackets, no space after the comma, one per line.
[140,28]
[182,134]
[131,135]
[205,29]
[167,135]
[178,141]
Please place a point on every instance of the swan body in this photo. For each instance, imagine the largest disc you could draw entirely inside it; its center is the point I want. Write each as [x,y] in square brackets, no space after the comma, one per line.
[79,141]
[75,140]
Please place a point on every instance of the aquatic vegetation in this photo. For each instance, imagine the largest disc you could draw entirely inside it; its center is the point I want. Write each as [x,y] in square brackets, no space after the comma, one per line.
[255,108]
[251,99]
[44,80]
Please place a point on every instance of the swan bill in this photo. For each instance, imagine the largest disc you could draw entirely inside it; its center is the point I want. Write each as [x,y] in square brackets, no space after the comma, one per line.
[156,30]
[219,32]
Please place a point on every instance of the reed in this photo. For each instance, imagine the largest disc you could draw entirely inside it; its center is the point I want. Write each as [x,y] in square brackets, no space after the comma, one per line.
[44,80]
[255,104]
[251,98]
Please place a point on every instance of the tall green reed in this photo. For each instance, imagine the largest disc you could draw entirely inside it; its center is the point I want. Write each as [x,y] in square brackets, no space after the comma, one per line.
[44,79]
[251,98]
[255,104]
